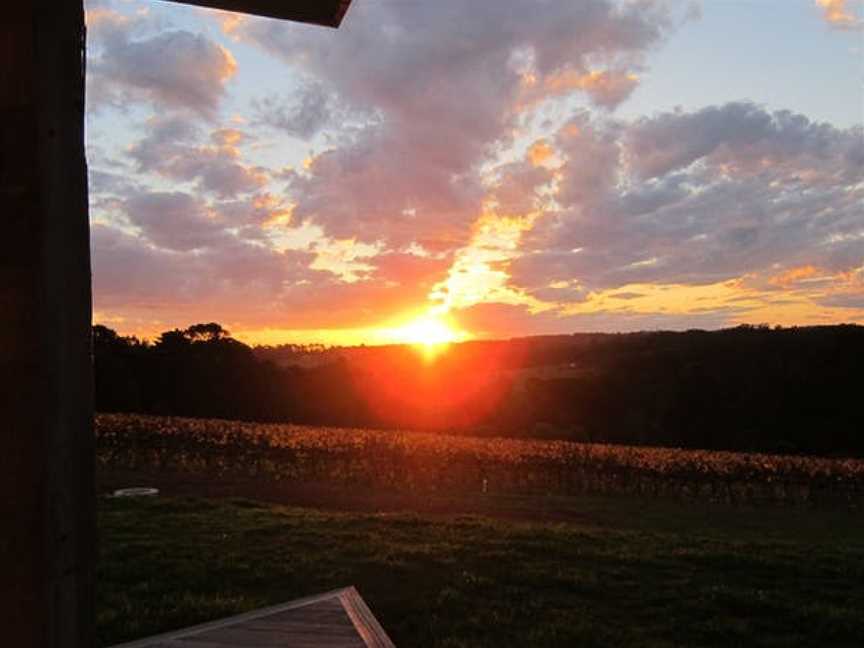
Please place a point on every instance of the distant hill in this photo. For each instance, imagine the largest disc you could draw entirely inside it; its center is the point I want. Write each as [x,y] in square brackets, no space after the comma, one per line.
[749,388]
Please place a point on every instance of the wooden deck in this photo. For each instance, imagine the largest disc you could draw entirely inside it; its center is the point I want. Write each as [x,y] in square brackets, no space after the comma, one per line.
[337,619]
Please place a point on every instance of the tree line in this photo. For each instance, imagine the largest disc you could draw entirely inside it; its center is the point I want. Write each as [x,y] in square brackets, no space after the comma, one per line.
[750,388]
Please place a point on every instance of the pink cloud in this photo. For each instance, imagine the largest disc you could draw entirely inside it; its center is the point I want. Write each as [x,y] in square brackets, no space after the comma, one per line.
[438,87]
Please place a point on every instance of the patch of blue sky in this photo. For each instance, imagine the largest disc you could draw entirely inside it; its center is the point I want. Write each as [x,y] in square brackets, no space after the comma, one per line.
[780,54]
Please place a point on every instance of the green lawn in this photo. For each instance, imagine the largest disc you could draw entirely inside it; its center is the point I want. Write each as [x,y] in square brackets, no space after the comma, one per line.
[618,572]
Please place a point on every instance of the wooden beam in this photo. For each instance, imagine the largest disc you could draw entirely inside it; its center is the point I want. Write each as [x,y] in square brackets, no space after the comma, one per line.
[47,505]
[319,12]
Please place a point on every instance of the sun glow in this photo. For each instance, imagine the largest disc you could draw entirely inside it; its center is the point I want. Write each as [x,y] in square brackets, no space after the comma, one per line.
[429,331]
[480,271]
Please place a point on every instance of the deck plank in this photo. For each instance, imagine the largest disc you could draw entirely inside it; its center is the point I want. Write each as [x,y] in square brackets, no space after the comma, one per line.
[337,619]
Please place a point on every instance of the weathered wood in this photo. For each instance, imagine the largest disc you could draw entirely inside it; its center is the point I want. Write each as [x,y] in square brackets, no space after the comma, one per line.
[338,619]
[365,622]
[319,12]
[47,504]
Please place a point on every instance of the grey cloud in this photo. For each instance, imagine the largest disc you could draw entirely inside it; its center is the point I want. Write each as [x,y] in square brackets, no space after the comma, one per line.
[174,70]
[844,301]
[223,177]
[165,136]
[375,189]
[232,278]
[173,148]
[740,133]
[592,158]
[516,190]
[439,87]
[250,212]
[303,115]
[781,192]
[648,197]
[174,221]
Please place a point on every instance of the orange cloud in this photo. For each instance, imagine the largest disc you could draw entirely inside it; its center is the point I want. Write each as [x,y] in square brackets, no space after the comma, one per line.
[838,13]
[228,137]
[795,275]
[607,88]
[278,213]
[540,152]
[229,21]
[671,299]
[229,64]
[811,296]
[97,17]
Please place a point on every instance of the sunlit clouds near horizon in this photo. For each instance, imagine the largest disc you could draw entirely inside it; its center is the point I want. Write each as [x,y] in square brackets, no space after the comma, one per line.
[451,170]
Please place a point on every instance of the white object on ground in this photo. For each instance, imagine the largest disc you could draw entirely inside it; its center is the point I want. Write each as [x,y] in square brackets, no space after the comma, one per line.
[136,492]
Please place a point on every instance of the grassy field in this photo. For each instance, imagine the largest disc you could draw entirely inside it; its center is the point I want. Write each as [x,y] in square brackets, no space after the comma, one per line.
[617,572]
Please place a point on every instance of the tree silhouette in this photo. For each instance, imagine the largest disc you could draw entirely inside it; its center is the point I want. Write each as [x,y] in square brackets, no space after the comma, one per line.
[206,332]
[746,388]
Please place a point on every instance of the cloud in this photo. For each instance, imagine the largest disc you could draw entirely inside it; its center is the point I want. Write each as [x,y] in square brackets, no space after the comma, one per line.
[606,88]
[793,276]
[696,199]
[460,159]
[376,190]
[174,220]
[540,152]
[401,268]
[302,114]
[745,137]
[255,214]
[840,14]
[174,70]
[506,321]
[518,187]
[591,160]
[229,279]
[480,270]
[187,260]
[173,149]
[433,89]
[848,300]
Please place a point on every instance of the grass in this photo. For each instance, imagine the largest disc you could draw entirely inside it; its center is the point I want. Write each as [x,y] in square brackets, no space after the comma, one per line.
[623,573]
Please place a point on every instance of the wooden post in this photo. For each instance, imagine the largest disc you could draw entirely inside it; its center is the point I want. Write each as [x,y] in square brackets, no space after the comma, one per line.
[47,502]
[47,506]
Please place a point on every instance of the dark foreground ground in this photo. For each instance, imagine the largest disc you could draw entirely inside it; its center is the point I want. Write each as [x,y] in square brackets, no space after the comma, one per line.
[488,571]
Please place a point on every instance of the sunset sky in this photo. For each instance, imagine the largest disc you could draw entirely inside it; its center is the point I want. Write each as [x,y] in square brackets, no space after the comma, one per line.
[476,168]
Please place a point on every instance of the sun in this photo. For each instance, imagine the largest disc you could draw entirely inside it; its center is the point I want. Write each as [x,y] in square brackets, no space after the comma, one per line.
[429,331]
